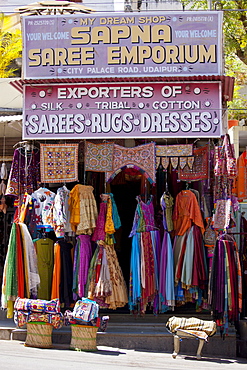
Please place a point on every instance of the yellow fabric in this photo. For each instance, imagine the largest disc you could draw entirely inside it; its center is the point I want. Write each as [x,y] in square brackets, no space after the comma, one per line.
[109,225]
[74,207]
[10,309]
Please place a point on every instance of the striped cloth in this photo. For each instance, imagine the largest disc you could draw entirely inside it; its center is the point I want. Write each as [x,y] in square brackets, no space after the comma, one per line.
[201,329]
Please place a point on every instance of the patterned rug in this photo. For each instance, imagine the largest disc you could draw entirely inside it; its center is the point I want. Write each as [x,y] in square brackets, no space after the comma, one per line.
[199,169]
[141,157]
[59,163]
[98,157]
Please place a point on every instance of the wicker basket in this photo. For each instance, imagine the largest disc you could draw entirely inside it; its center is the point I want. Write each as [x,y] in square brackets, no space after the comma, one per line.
[83,337]
[39,334]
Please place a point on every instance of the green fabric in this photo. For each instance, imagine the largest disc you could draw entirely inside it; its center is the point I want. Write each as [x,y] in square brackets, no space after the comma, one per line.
[11,267]
[45,261]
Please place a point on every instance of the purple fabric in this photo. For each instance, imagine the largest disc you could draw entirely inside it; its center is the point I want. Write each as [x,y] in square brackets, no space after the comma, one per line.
[148,213]
[99,232]
[220,278]
[85,258]
[24,173]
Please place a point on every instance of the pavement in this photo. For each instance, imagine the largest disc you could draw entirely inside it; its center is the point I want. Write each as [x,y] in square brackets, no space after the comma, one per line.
[139,334]
[14,355]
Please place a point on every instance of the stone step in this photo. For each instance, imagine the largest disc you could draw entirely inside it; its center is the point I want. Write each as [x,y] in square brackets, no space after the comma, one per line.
[138,333]
[144,339]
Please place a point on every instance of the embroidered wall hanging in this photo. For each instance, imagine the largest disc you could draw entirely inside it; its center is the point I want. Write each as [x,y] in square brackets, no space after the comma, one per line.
[179,150]
[141,157]
[199,169]
[59,162]
[98,157]
[173,154]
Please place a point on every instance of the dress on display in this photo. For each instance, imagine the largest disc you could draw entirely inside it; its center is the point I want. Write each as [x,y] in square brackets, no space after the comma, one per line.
[83,209]
[24,173]
[143,282]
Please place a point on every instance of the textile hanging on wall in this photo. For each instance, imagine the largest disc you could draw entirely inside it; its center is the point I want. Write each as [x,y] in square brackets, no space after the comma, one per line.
[180,150]
[98,157]
[199,170]
[141,157]
[174,154]
[59,162]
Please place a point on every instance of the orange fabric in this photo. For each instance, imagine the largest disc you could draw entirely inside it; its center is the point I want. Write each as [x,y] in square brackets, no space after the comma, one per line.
[186,213]
[56,280]
[240,183]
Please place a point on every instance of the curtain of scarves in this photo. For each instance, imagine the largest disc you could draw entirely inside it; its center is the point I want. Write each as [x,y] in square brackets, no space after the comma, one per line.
[225,286]
[20,276]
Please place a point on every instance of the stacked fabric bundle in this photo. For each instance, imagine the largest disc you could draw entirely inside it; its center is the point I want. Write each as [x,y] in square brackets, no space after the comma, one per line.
[85,323]
[85,312]
[201,329]
[37,310]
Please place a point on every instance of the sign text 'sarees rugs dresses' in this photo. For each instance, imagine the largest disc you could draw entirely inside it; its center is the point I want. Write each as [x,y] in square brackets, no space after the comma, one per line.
[123,110]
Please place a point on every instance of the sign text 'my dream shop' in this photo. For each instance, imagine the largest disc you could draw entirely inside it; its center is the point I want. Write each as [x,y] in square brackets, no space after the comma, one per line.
[179,43]
[122,110]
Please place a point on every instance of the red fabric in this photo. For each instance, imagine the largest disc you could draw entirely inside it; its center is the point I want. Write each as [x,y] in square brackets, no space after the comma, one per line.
[149,289]
[199,273]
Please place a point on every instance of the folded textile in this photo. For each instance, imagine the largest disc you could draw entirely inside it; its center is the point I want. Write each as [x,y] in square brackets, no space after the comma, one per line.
[23,317]
[192,326]
[37,305]
[85,310]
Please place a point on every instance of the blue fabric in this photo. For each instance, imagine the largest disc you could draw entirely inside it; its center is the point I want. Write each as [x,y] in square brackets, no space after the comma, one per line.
[115,215]
[135,272]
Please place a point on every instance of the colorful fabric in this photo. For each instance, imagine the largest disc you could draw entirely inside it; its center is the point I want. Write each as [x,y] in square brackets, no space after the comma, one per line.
[45,261]
[199,170]
[24,173]
[43,201]
[61,214]
[222,215]
[59,162]
[37,305]
[22,317]
[186,212]
[85,310]
[141,158]
[99,157]
[240,183]
[83,209]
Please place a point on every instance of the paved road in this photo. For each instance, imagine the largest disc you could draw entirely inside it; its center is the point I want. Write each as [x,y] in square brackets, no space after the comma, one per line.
[14,355]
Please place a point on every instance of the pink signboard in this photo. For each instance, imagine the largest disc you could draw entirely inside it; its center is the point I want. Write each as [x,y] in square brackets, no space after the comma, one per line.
[122,110]
[122,44]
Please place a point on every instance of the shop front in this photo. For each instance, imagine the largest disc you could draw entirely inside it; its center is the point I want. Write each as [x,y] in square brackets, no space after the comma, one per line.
[116,185]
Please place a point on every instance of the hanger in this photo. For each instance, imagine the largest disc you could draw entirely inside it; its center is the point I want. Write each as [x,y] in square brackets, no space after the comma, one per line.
[27,145]
[187,186]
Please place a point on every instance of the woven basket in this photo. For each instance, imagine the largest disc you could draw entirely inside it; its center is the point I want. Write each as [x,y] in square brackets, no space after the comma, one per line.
[83,337]
[39,334]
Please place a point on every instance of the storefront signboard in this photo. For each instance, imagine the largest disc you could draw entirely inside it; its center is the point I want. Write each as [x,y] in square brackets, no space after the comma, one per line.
[122,110]
[122,45]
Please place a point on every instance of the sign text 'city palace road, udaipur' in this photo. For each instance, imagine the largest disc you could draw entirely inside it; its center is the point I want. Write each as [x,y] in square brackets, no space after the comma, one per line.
[122,110]
[179,43]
